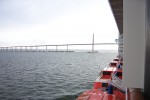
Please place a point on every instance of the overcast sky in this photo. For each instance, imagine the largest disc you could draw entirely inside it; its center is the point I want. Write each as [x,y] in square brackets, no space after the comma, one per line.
[40,22]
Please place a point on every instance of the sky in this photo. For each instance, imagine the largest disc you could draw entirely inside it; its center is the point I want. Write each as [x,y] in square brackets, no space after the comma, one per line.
[45,22]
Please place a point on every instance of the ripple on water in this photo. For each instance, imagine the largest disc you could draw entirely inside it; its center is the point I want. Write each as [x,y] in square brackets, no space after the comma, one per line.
[47,75]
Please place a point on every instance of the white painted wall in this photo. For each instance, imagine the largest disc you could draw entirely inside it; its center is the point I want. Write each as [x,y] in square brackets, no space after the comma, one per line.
[134,43]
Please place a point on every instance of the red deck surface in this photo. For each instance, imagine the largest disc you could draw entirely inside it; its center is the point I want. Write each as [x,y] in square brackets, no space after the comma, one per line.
[101,95]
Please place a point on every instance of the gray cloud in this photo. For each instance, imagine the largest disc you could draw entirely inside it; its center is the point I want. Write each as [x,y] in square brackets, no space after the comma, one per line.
[18,12]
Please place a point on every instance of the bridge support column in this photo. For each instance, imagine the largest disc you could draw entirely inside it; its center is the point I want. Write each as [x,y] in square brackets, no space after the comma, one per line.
[25,49]
[93,43]
[20,48]
[46,48]
[67,48]
[30,48]
[36,48]
[56,48]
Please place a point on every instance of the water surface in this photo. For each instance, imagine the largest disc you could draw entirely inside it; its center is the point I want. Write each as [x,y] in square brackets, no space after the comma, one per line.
[49,75]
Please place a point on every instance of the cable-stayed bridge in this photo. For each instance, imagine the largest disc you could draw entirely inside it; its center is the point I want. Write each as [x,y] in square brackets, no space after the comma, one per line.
[45,48]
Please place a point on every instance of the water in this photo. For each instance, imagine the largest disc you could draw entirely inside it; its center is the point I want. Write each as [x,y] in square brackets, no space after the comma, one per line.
[49,75]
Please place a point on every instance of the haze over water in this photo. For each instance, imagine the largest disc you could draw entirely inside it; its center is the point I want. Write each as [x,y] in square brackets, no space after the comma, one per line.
[49,75]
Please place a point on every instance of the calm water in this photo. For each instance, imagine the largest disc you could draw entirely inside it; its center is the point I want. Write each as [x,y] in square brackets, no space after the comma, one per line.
[49,75]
